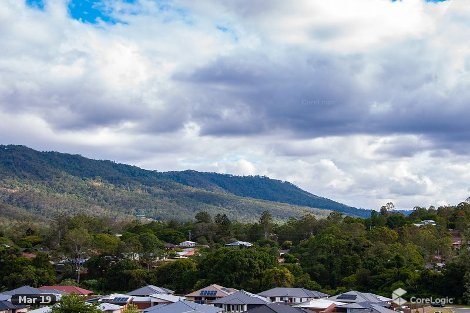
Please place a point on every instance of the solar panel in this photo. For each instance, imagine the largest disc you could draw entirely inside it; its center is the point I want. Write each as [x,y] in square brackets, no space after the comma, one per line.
[120,299]
[208,293]
[347,297]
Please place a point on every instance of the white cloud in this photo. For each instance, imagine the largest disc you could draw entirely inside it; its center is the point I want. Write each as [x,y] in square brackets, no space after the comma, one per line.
[360,101]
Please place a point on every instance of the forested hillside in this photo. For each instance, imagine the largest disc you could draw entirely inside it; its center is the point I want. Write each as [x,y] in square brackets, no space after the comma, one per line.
[260,187]
[45,184]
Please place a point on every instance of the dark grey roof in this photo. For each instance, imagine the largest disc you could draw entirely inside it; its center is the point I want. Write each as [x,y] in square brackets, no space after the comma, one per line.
[149,290]
[54,291]
[24,290]
[293,292]
[242,297]
[356,297]
[183,307]
[380,309]
[7,306]
[275,308]
[363,305]
[4,297]
[367,307]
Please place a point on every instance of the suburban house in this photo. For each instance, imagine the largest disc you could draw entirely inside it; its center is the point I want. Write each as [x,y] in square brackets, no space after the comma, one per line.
[8,307]
[66,290]
[319,305]
[149,290]
[425,223]
[142,302]
[153,300]
[292,295]
[110,308]
[239,244]
[183,307]
[116,299]
[187,244]
[363,307]
[361,298]
[24,290]
[275,308]
[209,294]
[240,301]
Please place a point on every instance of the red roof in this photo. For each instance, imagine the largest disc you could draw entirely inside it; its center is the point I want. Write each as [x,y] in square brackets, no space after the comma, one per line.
[69,289]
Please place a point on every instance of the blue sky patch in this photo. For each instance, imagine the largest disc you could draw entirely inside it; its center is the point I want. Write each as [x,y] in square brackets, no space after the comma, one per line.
[431,1]
[95,11]
[36,4]
[91,11]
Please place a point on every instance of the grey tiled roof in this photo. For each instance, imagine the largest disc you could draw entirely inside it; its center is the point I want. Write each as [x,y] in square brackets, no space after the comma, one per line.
[7,306]
[183,307]
[275,308]
[356,297]
[220,291]
[24,290]
[242,297]
[293,292]
[367,307]
[149,290]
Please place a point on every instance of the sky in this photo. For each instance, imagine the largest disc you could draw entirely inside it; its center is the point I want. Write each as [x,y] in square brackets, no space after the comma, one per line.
[364,102]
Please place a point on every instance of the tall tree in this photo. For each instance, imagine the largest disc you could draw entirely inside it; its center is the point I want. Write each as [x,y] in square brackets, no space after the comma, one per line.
[266,221]
[203,217]
[77,243]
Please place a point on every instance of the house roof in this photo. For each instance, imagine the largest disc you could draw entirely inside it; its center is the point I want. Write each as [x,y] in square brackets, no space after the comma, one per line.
[7,306]
[166,297]
[117,298]
[240,243]
[68,289]
[293,292]
[356,297]
[4,297]
[318,304]
[53,291]
[213,290]
[183,307]
[275,308]
[161,298]
[380,309]
[149,290]
[242,297]
[366,307]
[24,290]
[109,307]
[187,242]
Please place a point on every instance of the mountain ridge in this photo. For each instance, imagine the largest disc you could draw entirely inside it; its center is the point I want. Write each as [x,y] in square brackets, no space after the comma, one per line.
[48,181]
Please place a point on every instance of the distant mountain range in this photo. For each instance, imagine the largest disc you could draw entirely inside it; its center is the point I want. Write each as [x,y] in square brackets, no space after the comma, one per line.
[41,185]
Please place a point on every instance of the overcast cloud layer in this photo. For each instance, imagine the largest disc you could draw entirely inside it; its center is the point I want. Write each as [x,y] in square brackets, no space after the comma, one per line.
[363,101]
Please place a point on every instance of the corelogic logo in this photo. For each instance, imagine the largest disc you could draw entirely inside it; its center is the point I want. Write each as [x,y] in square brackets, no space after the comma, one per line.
[397,295]
[397,298]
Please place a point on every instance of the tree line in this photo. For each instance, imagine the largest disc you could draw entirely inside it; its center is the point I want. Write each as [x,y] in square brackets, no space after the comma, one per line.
[334,254]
